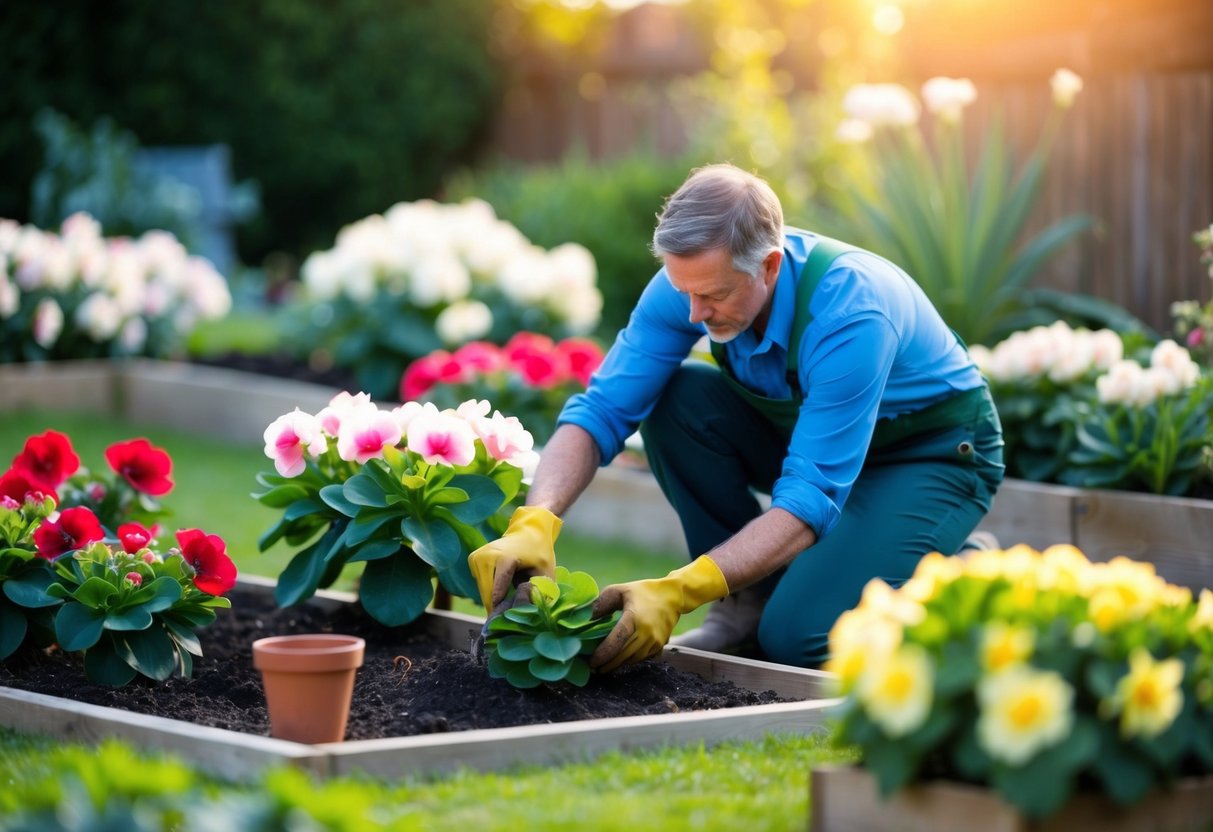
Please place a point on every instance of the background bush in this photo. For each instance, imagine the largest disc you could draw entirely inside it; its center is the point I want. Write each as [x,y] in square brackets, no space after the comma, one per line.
[338,110]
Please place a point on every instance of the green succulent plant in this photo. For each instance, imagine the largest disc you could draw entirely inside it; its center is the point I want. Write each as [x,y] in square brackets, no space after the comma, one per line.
[550,638]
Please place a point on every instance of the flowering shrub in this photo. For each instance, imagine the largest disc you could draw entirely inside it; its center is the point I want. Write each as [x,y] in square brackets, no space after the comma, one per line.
[78,568]
[1029,672]
[1076,411]
[531,377]
[424,276]
[411,491]
[1193,321]
[79,295]
[955,227]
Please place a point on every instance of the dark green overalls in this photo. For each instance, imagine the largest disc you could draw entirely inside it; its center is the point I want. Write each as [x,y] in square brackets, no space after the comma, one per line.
[928,479]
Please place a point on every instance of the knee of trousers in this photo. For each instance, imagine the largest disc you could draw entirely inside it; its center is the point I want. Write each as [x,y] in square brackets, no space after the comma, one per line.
[792,640]
[680,409]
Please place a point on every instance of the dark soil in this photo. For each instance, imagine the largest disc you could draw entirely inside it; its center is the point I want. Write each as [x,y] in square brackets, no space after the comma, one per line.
[409,684]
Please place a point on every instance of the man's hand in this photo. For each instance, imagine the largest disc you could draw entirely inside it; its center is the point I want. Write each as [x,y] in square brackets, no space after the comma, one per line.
[651,609]
[526,549]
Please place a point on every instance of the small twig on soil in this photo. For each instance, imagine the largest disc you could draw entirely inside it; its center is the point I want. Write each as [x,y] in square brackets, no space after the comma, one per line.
[402,665]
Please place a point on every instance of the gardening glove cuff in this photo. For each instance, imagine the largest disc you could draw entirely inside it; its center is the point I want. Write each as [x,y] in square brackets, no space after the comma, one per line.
[651,608]
[527,548]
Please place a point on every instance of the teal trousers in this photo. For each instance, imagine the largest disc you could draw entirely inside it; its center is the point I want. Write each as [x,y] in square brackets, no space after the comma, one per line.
[711,452]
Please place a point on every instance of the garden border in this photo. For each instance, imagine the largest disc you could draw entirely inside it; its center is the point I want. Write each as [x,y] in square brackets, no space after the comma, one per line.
[235,754]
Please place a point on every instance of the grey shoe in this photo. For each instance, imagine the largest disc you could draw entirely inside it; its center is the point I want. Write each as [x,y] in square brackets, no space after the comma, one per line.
[731,625]
[979,540]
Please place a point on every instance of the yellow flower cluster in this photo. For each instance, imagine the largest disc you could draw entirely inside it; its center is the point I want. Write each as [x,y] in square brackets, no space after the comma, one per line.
[999,606]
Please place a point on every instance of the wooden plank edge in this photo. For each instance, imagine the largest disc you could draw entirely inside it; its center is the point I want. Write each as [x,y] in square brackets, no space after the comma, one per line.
[496,748]
[226,753]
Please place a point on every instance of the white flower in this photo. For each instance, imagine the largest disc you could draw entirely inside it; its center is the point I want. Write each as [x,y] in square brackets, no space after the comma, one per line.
[48,322]
[853,131]
[1122,383]
[499,243]
[881,104]
[527,279]
[407,412]
[946,97]
[343,407]
[1066,87]
[1022,711]
[462,321]
[1107,348]
[99,316]
[439,279]
[1170,357]
[133,335]
[10,298]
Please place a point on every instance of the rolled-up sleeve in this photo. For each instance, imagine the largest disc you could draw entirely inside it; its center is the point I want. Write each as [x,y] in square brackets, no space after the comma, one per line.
[844,370]
[623,391]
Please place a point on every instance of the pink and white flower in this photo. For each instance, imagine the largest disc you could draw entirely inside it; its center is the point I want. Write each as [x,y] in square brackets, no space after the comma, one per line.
[407,412]
[290,437]
[341,407]
[365,433]
[507,440]
[442,438]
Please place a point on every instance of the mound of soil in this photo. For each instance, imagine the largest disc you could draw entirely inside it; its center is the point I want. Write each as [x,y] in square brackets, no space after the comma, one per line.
[409,683]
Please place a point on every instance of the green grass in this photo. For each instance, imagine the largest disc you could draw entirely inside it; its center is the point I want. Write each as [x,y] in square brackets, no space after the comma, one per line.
[248,332]
[213,481]
[760,785]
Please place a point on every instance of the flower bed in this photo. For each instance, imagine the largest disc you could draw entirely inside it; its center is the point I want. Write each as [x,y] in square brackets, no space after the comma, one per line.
[440,740]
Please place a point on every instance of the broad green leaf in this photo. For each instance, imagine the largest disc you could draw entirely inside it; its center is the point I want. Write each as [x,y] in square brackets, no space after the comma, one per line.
[396,590]
[546,588]
[95,592]
[547,669]
[412,481]
[78,627]
[484,498]
[103,666]
[166,592]
[132,618]
[184,636]
[524,614]
[578,673]
[447,497]
[281,496]
[364,490]
[334,497]
[458,580]
[366,524]
[301,577]
[520,677]
[515,648]
[29,589]
[13,627]
[374,550]
[304,508]
[151,652]
[434,541]
[557,648]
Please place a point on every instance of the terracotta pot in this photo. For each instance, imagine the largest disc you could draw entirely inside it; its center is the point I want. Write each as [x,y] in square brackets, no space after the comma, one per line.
[309,682]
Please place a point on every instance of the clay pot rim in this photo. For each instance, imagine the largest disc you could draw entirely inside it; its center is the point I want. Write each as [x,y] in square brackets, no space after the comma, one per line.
[292,644]
[308,652]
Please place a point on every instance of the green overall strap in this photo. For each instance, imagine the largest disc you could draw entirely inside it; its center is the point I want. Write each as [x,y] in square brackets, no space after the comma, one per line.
[825,250]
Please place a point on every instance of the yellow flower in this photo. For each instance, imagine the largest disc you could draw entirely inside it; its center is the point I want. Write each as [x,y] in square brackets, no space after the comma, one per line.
[897,690]
[858,638]
[933,572]
[1003,645]
[881,599]
[1066,568]
[1203,619]
[1148,697]
[1022,711]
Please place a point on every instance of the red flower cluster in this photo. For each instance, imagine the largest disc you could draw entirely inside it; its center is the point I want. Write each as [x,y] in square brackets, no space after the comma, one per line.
[47,461]
[75,529]
[535,358]
[214,571]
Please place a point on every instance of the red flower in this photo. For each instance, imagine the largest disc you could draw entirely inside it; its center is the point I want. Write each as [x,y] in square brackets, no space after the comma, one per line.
[480,356]
[47,460]
[584,357]
[134,537]
[439,367]
[75,529]
[214,572]
[19,488]
[143,465]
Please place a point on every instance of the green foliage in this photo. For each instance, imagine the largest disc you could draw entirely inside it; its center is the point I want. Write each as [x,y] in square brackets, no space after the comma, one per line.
[337,110]
[548,639]
[956,229]
[607,206]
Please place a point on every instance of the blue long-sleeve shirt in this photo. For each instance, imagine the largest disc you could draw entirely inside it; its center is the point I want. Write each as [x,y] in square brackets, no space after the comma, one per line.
[876,348]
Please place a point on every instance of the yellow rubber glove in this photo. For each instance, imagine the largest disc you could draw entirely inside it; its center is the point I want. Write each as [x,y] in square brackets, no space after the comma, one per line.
[651,609]
[526,549]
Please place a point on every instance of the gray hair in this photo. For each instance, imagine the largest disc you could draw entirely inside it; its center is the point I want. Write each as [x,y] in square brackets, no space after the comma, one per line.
[721,206]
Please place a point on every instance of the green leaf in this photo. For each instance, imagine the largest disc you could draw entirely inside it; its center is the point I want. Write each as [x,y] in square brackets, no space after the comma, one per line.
[151,652]
[13,626]
[547,669]
[183,635]
[29,589]
[166,592]
[412,481]
[396,590]
[301,577]
[281,496]
[524,614]
[459,581]
[133,618]
[363,490]
[1036,789]
[578,673]
[374,550]
[95,592]
[446,497]
[557,648]
[78,627]
[334,497]
[520,677]
[304,508]
[366,524]
[891,762]
[103,666]
[1125,776]
[515,648]
[435,542]
[484,498]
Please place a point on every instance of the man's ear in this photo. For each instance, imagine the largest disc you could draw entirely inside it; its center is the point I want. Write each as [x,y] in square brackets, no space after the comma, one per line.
[770,266]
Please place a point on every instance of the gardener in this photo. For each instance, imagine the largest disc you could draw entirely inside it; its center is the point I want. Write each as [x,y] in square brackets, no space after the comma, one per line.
[837,389]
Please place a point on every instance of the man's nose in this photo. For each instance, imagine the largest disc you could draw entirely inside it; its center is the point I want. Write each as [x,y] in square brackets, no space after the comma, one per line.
[700,311]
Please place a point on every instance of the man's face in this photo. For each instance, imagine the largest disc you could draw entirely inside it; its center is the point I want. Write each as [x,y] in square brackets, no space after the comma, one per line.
[726,301]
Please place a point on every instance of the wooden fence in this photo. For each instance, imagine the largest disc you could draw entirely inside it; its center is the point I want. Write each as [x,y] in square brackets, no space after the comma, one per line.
[1135,153]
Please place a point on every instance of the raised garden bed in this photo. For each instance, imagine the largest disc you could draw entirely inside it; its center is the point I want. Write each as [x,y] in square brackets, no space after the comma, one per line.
[434,709]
